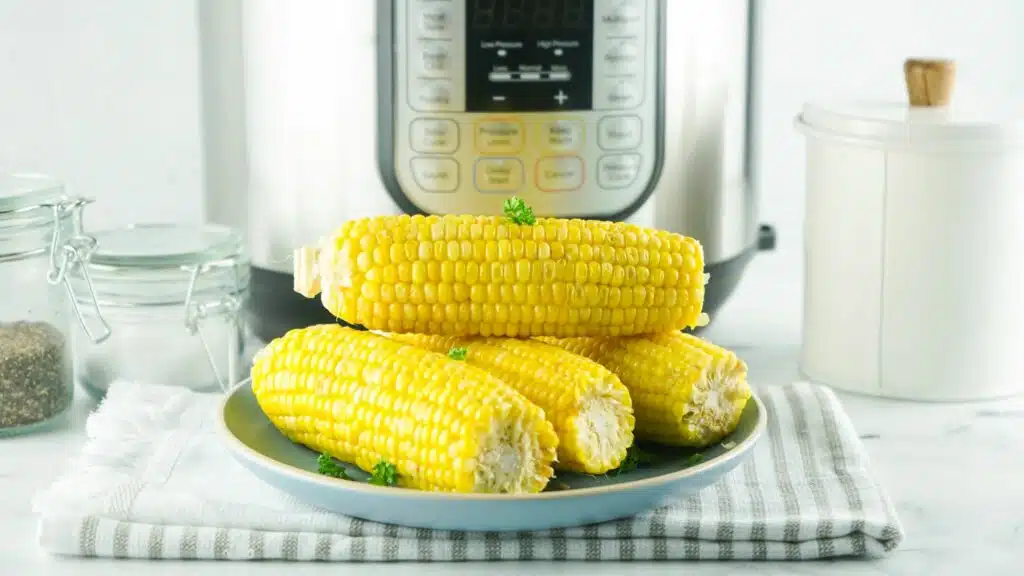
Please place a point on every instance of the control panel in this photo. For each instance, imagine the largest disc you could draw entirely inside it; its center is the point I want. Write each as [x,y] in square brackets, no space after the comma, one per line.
[555,101]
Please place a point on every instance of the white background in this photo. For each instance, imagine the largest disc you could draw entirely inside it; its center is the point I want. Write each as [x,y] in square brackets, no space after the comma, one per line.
[105,93]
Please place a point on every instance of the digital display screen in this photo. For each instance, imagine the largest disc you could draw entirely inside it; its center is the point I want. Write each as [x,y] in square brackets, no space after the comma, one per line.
[529,55]
[515,15]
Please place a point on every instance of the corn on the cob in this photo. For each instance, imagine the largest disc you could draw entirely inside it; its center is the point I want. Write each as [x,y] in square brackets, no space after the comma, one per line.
[588,405]
[363,398]
[482,275]
[686,391]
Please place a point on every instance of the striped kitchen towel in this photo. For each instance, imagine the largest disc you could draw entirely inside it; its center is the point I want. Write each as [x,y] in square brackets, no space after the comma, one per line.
[154,481]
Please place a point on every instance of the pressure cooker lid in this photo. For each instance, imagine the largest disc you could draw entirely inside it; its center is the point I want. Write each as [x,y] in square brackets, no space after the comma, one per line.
[929,115]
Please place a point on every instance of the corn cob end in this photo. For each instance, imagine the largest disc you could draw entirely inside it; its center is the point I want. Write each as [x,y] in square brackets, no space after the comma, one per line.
[306,271]
[716,401]
[602,429]
[515,457]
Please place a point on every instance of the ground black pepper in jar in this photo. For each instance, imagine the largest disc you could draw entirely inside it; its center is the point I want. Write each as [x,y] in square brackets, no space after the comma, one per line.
[41,241]
[34,359]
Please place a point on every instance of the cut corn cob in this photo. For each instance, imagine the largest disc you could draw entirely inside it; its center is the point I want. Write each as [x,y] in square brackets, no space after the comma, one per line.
[469,275]
[686,391]
[363,398]
[588,405]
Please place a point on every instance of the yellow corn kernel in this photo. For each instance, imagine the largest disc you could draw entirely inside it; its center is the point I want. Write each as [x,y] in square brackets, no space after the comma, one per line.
[590,408]
[362,398]
[686,391]
[592,268]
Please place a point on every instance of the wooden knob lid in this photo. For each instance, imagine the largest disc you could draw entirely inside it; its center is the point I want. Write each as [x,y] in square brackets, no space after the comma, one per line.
[929,81]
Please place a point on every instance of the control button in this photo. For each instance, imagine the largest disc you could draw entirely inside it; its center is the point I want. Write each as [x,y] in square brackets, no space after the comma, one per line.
[622,58]
[498,174]
[624,19]
[617,170]
[560,97]
[498,136]
[619,132]
[435,21]
[436,174]
[434,60]
[623,95]
[434,95]
[561,135]
[434,136]
[559,173]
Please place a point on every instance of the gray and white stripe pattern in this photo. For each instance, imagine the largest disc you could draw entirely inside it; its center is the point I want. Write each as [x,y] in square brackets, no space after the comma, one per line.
[806,493]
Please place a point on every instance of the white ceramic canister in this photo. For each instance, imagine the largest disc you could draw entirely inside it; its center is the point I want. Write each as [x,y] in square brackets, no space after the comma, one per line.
[914,250]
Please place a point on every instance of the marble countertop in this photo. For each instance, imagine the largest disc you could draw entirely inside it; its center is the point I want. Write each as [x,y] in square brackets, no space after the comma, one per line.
[955,472]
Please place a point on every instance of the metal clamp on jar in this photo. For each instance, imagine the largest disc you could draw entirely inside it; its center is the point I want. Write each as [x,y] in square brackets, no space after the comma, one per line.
[174,296]
[41,245]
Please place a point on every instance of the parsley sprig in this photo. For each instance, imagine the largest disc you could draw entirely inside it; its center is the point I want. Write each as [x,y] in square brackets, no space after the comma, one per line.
[518,212]
[328,467]
[457,353]
[634,458]
[637,457]
[384,474]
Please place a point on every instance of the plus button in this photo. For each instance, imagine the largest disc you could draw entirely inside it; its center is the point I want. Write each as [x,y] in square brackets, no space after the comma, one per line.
[561,97]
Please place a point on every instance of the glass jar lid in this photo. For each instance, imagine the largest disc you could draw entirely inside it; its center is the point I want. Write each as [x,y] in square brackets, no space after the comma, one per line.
[39,219]
[29,200]
[25,191]
[165,245]
[164,264]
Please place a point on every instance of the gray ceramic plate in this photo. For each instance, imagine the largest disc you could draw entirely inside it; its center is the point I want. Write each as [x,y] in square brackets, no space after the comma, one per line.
[580,499]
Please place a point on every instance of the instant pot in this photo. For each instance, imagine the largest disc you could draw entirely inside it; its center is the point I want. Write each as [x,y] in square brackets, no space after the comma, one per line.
[320,111]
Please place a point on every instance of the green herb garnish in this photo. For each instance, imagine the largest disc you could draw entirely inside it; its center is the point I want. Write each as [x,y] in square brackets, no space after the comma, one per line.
[457,353]
[634,458]
[518,212]
[384,474]
[557,486]
[328,467]
[695,458]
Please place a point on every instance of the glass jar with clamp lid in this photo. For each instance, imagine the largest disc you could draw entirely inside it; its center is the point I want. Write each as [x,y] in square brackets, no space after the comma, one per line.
[174,296]
[41,245]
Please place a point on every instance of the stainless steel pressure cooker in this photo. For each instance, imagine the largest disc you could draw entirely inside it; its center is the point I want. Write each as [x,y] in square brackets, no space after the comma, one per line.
[321,111]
